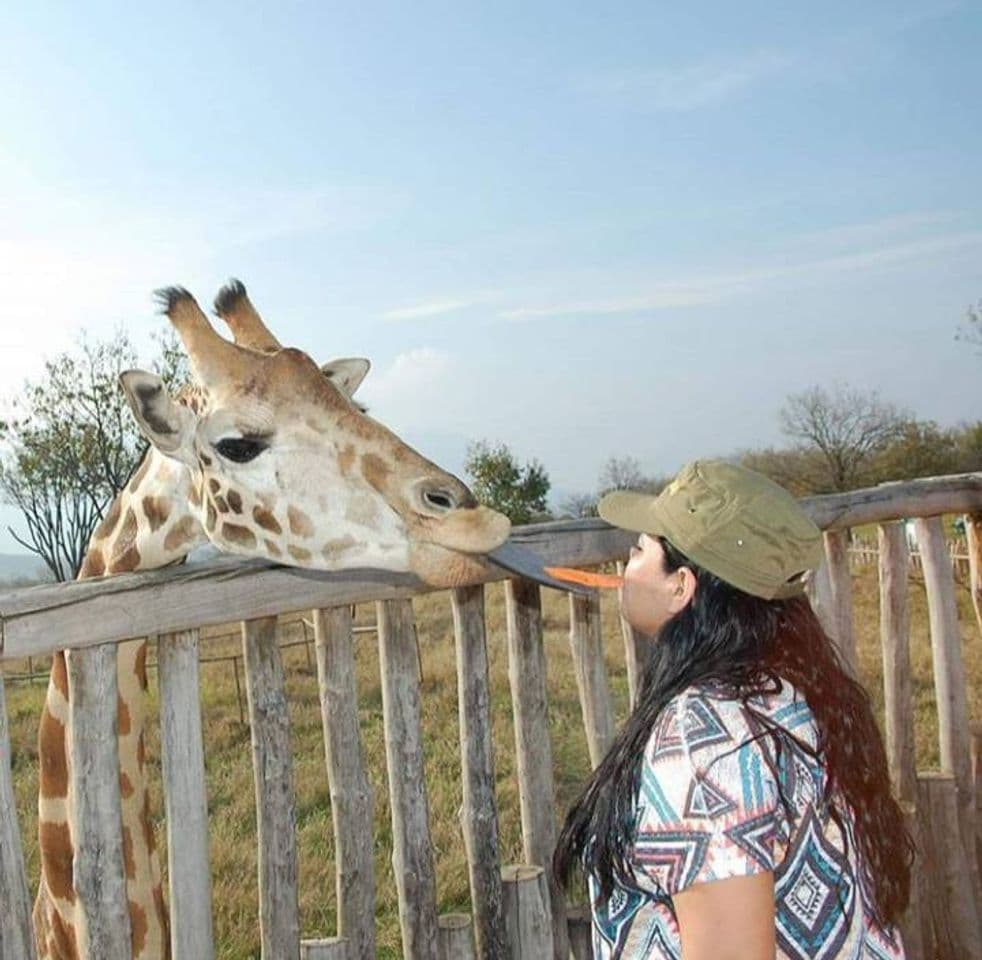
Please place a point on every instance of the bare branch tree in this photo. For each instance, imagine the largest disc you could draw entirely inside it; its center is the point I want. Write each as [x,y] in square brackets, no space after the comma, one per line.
[971,329]
[847,427]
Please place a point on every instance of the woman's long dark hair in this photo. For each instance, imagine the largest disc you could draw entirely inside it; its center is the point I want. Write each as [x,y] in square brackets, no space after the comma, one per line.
[745,646]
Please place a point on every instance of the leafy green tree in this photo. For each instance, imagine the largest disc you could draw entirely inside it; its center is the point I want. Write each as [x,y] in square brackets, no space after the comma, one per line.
[517,490]
[71,444]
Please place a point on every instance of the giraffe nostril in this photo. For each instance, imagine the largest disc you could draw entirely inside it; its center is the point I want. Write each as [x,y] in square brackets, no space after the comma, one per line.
[439,499]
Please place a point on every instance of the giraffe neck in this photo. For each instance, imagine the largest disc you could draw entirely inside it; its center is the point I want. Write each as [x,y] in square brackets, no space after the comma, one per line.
[153,522]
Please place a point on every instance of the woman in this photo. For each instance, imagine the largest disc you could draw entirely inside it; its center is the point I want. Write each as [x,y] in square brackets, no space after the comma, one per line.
[744,810]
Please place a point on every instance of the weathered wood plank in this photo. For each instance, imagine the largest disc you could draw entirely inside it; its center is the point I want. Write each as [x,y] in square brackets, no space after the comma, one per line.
[840,580]
[41,619]
[327,948]
[16,931]
[456,937]
[581,933]
[895,644]
[97,812]
[528,928]
[533,744]
[973,537]
[954,731]
[954,908]
[634,650]
[412,849]
[351,793]
[586,644]
[272,767]
[479,814]
[185,797]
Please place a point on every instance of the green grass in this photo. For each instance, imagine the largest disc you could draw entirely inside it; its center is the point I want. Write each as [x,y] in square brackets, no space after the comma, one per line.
[229,770]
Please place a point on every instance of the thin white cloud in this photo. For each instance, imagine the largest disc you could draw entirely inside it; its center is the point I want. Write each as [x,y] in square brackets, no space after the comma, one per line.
[409,381]
[429,309]
[689,86]
[715,288]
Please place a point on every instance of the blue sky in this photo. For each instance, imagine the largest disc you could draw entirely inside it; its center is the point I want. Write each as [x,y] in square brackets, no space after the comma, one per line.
[585,230]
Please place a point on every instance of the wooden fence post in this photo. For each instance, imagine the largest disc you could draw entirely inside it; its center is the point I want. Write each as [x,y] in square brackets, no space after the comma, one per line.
[527,925]
[837,557]
[351,793]
[915,925]
[479,813]
[581,933]
[895,643]
[533,744]
[634,650]
[586,644]
[973,538]
[185,797]
[16,931]
[98,867]
[819,590]
[953,906]
[272,767]
[455,936]
[327,948]
[949,679]
[412,853]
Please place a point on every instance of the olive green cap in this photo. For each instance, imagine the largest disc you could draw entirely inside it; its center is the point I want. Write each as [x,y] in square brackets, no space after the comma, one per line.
[734,522]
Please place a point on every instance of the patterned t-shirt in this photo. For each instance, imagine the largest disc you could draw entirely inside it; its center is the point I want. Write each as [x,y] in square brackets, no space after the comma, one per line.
[709,808]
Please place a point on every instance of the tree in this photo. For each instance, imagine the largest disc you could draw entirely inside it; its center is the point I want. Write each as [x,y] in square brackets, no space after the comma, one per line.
[971,329]
[624,473]
[847,427]
[499,481]
[72,444]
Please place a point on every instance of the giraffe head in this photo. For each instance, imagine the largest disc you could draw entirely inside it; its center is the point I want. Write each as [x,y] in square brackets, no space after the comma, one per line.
[285,465]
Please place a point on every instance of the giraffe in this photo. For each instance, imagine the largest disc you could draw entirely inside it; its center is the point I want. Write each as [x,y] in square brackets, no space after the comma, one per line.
[269,456]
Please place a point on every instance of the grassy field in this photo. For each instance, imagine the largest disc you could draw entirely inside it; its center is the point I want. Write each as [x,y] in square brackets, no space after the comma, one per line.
[229,772]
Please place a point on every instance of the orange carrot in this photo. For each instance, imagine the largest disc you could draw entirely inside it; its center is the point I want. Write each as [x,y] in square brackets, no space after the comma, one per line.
[605,581]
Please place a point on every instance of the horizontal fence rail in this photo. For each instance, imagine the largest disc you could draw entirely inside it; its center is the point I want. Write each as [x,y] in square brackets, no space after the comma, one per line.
[518,913]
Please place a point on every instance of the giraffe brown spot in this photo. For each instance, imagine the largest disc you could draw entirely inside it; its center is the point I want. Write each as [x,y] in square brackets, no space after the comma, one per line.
[128,862]
[266,520]
[59,674]
[156,510]
[162,917]
[346,459]
[65,944]
[273,549]
[213,485]
[125,555]
[375,470]
[147,823]
[141,753]
[93,566]
[123,725]
[332,548]
[300,523]
[181,533]
[109,521]
[206,460]
[141,472]
[210,517]
[220,503]
[57,857]
[140,666]
[125,786]
[299,554]
[52,756]
[235,533]
[235,501]
[138,928]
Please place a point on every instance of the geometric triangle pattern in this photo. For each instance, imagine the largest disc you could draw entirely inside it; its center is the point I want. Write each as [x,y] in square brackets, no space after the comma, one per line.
[710,806]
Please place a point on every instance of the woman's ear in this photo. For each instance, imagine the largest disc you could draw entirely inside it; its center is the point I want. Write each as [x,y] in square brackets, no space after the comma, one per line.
[685,589]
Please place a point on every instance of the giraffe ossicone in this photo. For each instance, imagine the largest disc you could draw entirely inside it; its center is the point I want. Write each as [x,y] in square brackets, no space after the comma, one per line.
[265,455]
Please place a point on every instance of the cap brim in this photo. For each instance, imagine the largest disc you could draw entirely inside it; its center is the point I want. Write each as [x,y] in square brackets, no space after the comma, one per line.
[631,510]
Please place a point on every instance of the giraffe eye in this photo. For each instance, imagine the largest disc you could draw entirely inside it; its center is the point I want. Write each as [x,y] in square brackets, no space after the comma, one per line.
[240,449]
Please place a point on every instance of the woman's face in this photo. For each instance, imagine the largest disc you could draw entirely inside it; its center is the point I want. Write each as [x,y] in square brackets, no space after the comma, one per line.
[652,596]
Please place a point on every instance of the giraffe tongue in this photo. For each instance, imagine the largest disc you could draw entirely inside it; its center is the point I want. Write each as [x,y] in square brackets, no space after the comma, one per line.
[525,563]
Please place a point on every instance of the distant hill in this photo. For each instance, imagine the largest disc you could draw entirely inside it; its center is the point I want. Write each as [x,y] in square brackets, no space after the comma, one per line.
[22,567]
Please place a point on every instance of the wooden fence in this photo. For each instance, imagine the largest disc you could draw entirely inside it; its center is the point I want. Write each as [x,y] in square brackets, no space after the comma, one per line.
[517,912]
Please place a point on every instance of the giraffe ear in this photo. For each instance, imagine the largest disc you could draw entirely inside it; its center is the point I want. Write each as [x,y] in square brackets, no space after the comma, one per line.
[169,426]
[346,374]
